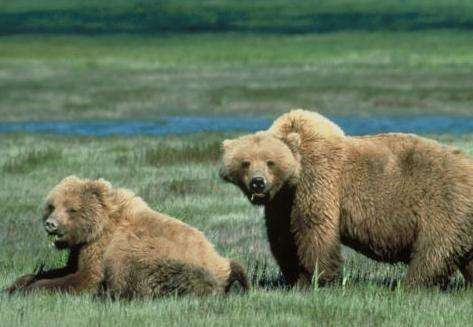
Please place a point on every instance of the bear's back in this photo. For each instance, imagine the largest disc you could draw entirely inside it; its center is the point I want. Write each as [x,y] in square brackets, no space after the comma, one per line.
[395,185]
[150,235]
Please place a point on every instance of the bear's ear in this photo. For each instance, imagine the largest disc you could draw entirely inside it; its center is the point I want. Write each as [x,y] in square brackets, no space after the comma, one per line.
[99,188]
[293,141]
[224,174]
[226,144]
[71,179]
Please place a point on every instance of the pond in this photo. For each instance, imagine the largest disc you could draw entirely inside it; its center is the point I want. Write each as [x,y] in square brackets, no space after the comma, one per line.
[186,125]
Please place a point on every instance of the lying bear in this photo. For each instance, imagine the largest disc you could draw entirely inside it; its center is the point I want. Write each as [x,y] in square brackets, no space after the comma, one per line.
[121,247]
[392,197]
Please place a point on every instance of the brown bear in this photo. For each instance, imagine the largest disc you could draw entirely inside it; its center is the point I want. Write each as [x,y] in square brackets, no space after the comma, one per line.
[392,197]
[121,247]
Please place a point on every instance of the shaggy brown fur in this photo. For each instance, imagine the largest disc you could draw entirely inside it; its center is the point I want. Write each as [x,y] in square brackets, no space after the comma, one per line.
[392,197]
[116,241]
[162,278]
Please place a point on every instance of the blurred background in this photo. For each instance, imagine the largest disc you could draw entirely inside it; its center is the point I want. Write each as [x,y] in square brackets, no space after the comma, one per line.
[140,59]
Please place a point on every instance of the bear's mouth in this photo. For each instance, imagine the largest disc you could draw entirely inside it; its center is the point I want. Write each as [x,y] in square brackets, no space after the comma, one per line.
[258,198]
[55,238]
[257,195]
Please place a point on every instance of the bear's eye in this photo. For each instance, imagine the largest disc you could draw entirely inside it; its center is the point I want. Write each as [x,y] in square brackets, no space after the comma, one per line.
[245,164]
[49,207]
[270,163]
[72,210]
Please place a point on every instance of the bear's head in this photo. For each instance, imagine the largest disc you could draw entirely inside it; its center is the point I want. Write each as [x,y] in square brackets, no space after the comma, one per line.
[261,164]
[76,211]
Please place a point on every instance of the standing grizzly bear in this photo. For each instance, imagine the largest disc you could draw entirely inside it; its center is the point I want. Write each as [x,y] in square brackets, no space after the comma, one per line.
[392,197]
[119,246]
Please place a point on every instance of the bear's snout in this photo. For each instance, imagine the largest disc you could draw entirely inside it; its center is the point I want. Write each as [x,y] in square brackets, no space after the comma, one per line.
[257,184]
[51,226]
[223,174]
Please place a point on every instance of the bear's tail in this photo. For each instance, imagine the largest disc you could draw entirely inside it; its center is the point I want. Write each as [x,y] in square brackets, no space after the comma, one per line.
[237,274]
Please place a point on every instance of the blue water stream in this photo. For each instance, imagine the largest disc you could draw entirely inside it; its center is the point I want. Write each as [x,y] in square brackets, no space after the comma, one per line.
[185,125]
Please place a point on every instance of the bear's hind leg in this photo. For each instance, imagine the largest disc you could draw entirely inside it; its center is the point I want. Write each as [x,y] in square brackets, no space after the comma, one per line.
[430,266]
[167,277]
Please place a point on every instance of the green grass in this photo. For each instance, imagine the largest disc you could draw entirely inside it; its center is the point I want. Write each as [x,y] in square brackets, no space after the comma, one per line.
[30,159]
[178,175]
[141,77]
[138,16]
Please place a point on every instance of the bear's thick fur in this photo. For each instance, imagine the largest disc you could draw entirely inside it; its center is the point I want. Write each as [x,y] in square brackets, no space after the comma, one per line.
[393,197]
[121,247]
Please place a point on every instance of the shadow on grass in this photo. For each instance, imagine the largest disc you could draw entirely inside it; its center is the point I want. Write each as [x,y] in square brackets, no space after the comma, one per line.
[261,277]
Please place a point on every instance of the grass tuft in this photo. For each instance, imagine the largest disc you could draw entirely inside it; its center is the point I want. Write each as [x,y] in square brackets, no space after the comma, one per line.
[198,152]
[28,160]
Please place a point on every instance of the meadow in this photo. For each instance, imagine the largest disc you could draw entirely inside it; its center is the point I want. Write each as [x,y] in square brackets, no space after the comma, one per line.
[73,77]
[142,77]
[178,175]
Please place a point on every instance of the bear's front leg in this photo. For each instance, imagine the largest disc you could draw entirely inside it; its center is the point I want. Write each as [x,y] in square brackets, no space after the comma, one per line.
[28,279]
[72,283]
[432,264]
[320,258]
[318,246]
[284,251]
[282,245]
[20,283]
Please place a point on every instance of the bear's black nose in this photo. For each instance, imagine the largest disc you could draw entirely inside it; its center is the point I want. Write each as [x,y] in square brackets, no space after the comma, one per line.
[257,184]
[50,226]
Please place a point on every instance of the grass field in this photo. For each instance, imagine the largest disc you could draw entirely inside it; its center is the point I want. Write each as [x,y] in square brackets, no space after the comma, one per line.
[125,76]
[178,175]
